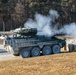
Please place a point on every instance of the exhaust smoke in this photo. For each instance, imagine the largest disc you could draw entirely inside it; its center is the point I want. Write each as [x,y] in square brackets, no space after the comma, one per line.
[69,29]
[45,25]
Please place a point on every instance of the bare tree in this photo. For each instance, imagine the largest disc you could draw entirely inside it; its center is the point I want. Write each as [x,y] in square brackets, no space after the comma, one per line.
[19,13]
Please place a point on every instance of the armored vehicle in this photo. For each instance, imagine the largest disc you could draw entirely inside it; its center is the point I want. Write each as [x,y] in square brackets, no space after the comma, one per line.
[31,46]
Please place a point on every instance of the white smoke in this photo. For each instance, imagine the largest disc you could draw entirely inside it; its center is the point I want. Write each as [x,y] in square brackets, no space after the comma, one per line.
[69,29]
[43,23]
[54,15]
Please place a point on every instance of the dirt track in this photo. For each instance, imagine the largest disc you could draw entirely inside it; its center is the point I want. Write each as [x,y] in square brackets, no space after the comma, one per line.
[4,55]
[57,64]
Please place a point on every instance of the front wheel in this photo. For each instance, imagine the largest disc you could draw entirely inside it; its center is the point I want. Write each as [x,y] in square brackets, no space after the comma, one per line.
[25,53]
[56,49]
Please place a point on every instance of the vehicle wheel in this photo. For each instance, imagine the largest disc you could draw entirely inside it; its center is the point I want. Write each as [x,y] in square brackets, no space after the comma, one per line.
[35,51]
[56,49]
[46,50]
[25,53]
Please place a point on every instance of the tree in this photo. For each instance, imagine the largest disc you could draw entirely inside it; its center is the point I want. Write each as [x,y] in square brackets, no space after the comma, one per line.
[19,13]
[4,1]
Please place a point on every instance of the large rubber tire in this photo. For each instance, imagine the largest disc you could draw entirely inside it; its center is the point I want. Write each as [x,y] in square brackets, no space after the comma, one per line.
[46,50]
[25,53]
[56,49]
[35,52]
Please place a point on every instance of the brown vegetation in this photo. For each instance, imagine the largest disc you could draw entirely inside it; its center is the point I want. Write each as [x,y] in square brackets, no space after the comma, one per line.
[60,64]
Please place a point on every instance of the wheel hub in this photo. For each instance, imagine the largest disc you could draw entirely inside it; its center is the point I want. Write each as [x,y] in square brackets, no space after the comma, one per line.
[25,53]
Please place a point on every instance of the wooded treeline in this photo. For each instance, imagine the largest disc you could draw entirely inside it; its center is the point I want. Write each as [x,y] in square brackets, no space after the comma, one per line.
[14,13]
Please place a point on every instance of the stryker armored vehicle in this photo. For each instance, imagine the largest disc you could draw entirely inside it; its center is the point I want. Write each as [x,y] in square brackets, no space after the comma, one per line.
[27,45]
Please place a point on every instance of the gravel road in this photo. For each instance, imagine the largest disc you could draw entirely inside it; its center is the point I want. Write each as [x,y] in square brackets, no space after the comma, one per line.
[4,55]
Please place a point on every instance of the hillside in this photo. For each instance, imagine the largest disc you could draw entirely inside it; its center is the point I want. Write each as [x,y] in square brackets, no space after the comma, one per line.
[60,64]
[14,13]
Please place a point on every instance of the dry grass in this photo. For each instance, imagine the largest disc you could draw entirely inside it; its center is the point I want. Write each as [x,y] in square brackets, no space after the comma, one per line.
[60,64]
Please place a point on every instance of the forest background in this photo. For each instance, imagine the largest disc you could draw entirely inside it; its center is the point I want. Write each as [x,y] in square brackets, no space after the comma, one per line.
[14,13]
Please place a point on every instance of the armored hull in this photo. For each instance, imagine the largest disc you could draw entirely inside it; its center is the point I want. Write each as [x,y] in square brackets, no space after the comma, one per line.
[34,46]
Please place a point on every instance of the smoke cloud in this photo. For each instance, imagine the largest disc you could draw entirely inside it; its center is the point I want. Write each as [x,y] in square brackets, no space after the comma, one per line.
[45,25]
[69,29]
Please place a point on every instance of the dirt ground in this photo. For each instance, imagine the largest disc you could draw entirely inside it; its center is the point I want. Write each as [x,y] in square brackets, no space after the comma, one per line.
[4,55]
[57,64]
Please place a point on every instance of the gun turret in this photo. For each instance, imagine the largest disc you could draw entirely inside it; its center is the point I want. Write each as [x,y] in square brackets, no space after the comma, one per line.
[26,32]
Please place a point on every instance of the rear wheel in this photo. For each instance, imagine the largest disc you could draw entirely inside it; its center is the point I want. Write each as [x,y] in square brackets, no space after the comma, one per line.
[46,50]
[56,49]
[35,51]
[25,53]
